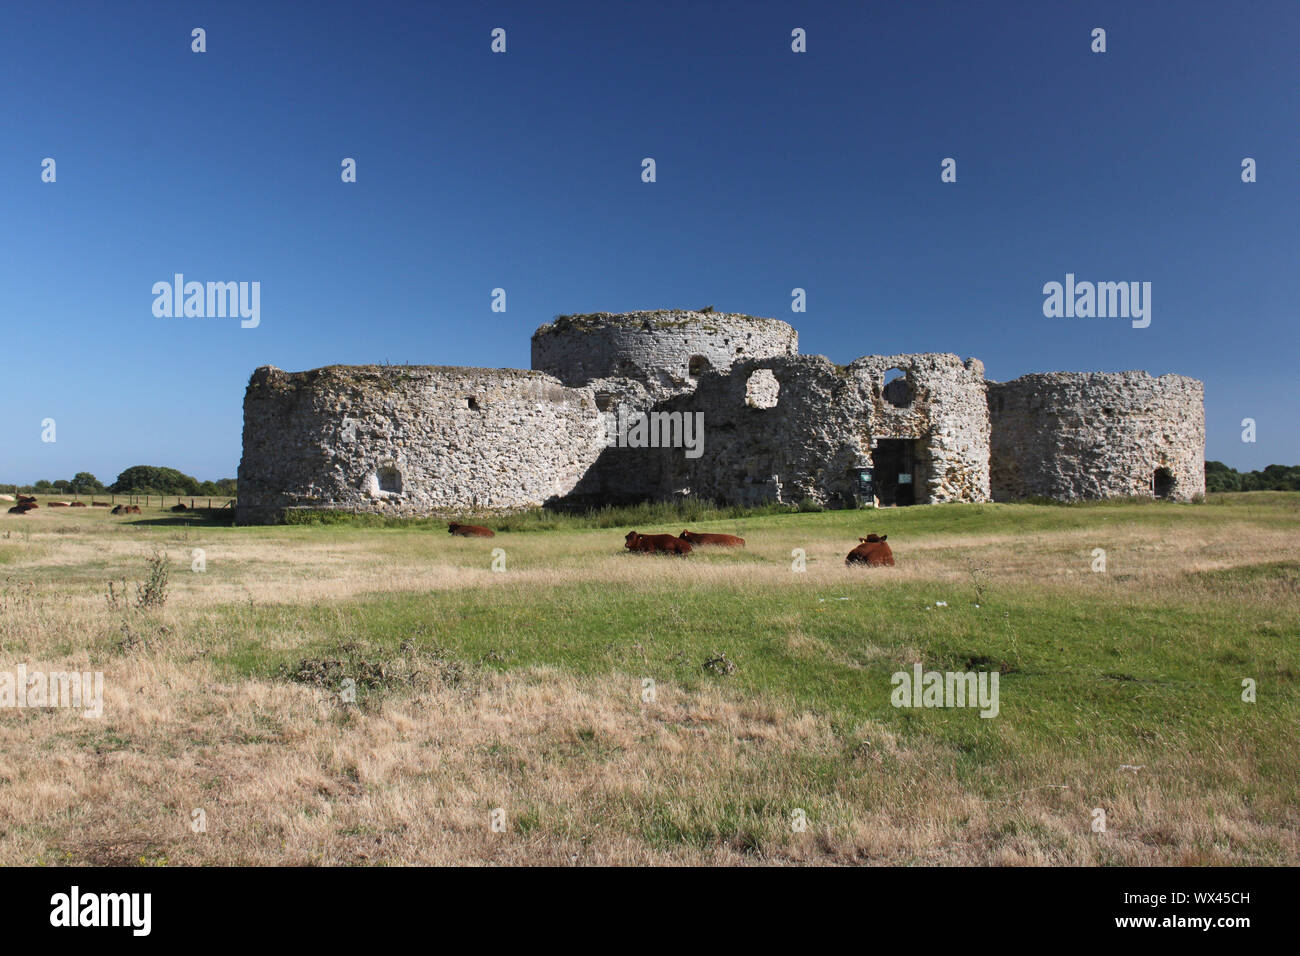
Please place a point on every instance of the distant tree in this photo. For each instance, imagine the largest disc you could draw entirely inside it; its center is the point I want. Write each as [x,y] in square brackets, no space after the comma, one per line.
[1219,477]
[84,483]
[1280,477]
[42,487]
[226,487]
[155,480]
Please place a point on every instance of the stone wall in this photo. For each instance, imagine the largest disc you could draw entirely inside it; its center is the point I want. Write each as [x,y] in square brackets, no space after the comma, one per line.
[655,348]
[1068,435]
[410,440]
[941,404]
[806,438]
[778,427]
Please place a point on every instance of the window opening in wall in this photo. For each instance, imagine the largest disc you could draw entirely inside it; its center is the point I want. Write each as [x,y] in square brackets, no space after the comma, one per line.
[390,479]
[697,366]
[762,389]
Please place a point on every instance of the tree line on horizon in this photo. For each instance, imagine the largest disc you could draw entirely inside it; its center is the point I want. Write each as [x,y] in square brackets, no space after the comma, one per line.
[1219,477]
[158,480]
[136,480]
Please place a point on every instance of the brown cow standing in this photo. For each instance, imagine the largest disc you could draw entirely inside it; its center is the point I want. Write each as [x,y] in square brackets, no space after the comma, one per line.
[720,540]
[873,552]
[471,530]
[652,543]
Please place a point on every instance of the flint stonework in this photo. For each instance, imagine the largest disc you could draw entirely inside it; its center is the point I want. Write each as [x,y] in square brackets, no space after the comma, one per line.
[778,427]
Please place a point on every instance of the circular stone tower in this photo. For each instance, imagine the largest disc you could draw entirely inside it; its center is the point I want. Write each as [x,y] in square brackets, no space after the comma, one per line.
[1070,435]
[666,351]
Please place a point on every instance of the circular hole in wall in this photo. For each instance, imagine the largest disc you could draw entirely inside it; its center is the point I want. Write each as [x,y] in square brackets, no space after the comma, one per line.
[897,390]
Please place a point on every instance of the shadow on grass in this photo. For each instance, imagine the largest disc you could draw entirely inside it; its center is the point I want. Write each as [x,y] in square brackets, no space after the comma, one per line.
[196,518]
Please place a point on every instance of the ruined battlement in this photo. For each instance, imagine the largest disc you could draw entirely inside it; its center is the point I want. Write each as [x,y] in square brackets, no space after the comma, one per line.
[777,426]
[666,351]
[411,440]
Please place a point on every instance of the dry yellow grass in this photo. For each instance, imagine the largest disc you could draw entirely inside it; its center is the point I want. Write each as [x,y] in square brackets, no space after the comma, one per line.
[585,771]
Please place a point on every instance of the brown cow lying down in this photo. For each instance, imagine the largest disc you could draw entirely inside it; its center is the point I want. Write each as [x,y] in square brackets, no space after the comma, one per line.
[77,504]
[655,543]
[471,530]
[721,540]
[26,500]
[179,506]
[99,504]
[125,510]
[873,552]
[59,504]
[20,509]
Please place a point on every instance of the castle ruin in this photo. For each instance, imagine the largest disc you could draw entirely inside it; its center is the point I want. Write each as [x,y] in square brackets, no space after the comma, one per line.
[777,427]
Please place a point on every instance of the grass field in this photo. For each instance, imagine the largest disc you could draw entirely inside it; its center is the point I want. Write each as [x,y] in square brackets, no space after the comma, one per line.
[522,690]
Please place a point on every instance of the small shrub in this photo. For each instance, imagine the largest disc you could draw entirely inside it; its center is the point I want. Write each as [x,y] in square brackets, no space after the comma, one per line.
[152,592]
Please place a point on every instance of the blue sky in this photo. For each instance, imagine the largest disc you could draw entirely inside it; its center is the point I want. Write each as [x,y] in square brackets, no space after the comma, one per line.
[522,170]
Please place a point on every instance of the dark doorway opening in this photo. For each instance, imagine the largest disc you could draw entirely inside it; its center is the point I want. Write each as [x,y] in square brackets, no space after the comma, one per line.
[1162,483]
[894,467]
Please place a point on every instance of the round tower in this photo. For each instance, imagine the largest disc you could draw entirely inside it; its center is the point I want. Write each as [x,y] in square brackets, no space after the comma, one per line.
[667,351]
[1069,435]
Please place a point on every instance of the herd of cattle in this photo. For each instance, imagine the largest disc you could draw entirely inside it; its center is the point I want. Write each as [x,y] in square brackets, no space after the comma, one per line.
[871,550]
[26,503]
